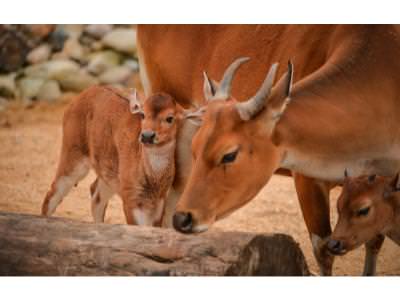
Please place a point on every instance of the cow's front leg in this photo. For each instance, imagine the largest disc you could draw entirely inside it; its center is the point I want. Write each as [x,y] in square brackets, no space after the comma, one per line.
[372,249]
[313,196]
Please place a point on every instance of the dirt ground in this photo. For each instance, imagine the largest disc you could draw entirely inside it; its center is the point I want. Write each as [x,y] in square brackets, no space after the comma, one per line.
[29,148]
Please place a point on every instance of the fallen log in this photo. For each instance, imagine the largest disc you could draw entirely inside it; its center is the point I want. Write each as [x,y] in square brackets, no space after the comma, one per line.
[33,245]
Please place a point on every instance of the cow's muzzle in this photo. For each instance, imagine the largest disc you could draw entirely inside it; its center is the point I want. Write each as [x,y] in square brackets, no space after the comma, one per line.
[183,222]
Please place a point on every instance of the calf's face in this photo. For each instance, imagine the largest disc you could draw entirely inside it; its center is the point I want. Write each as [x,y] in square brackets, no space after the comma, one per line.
[159,119]
[365,210]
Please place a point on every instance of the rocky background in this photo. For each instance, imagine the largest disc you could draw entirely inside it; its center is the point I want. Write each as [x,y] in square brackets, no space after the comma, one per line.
[44,62]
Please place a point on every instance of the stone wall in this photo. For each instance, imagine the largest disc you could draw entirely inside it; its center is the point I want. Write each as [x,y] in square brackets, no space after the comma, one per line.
[41,62]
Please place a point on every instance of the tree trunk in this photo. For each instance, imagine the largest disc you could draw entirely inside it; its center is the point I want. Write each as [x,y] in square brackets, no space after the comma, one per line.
[32,245]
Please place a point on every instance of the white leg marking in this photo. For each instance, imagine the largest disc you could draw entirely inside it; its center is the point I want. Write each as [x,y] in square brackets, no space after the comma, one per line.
[316,242]
[142,217]
[100,198]
[65,183]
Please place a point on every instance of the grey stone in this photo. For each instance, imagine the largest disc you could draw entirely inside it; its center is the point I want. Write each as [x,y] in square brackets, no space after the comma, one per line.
[121,39]
[76,81]
[132,64]
[49,91]
[39,54]
[73,49]
[117,74]
[73,30]
[102,61]
[98,30]
[52,69]
[96,46]
[29,87]
[7,85]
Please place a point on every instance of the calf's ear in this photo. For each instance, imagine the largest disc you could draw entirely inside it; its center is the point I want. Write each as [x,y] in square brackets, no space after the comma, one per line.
[135,102]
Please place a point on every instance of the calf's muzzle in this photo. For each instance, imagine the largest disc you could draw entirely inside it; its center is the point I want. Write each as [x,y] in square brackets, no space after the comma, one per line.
[147,137]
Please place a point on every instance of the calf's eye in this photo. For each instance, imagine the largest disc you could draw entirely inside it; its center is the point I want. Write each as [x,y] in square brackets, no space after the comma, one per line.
[363,212]
[169,119]
[229,157]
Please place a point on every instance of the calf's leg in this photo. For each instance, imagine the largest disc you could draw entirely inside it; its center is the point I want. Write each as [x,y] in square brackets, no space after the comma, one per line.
[100,194]
[71,169]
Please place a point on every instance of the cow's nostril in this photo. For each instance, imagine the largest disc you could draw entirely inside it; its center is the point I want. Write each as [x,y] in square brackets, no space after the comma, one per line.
[183,222]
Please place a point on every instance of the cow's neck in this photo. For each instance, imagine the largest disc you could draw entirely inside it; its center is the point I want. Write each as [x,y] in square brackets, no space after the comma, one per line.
[335,122]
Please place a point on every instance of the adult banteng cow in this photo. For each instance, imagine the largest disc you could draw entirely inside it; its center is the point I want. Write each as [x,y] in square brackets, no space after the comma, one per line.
[343,112]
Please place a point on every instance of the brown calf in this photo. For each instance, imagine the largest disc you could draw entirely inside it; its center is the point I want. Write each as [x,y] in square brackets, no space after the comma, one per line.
[369,209]
[130,146]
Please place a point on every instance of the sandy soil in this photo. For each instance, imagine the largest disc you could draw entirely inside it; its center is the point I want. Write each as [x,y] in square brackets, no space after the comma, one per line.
[29,148]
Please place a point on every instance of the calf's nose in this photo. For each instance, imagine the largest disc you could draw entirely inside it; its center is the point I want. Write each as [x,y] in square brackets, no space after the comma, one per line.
[336,246]
[147,137]
[183,222]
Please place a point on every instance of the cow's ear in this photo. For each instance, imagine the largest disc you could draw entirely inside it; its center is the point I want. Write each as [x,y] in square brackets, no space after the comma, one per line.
[195,116]
[210,87]
[283,87]
[135,102]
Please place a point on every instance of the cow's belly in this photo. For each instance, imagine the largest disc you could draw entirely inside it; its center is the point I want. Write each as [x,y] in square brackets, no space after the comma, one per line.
[332,168]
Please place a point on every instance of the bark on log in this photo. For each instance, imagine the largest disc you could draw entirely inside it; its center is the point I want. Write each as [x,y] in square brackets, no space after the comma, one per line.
[33,245]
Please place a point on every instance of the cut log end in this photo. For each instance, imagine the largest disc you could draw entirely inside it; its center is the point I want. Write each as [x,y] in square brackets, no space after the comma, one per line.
[32,245]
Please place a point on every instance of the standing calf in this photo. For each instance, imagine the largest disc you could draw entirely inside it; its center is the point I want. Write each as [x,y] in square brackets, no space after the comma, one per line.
[369,210]
[130,146]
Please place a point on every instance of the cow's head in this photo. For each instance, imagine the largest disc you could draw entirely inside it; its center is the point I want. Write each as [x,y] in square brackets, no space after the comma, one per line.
[233,156]
[365,208]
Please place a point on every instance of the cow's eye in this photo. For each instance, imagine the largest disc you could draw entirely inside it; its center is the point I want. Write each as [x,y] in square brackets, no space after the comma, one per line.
[363,211]
[169,119]
[229,157]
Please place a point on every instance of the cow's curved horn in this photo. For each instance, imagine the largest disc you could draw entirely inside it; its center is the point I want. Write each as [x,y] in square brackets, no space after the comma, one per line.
[225,86]
[251,107]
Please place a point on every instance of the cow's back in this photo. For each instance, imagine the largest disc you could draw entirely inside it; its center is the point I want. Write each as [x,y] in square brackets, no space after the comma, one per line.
[175,56]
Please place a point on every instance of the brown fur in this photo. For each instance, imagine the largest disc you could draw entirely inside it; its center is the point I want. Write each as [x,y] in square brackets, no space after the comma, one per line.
[100,132]
[345,77]
[382,199]
[380,195]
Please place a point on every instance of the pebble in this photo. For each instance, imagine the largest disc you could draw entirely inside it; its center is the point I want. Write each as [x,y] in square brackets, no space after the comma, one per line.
[121,39]
[117,74]
[39,54]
